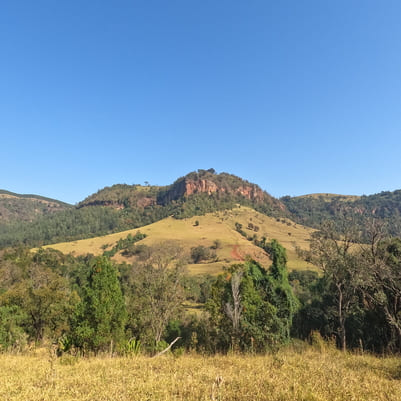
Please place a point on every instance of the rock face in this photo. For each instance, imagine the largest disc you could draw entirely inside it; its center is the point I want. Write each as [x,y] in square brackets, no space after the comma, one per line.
[187,187]
[207,182]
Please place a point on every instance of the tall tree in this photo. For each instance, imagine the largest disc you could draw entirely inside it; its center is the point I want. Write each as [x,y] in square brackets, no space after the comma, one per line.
[282,295]
[381,282]
[39,292]
[155,292]
[252,306]
[338,260]
[101,316]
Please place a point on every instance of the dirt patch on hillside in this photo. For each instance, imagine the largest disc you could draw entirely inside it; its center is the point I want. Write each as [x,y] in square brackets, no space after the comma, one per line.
[235,253]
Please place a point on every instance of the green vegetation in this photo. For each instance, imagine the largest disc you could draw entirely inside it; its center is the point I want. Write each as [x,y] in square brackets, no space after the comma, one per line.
[90,304]
[100,317]
[127,245]
[252,308]
[122,207]
[357,297]
[230,247]
[312,211]
[35,221]
[26,208]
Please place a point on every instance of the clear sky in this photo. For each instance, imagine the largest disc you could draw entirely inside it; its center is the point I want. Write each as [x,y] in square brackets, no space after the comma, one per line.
[296,96]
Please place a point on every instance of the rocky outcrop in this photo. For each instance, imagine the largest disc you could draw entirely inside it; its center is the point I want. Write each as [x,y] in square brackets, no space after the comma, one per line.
[187,187]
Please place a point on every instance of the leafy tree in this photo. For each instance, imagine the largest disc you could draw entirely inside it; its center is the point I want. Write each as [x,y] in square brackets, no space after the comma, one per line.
[39,292]
[101,316]
[12,334]
[200,253]
[253,308]
[282,294]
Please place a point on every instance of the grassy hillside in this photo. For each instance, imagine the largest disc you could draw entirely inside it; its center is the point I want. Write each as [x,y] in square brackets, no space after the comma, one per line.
[34,221]
[308,375]
[121,207]
[204,230]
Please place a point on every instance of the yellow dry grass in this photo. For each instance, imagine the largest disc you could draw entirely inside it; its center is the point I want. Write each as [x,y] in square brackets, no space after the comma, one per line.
[330,197]
[213,226]
[286,376]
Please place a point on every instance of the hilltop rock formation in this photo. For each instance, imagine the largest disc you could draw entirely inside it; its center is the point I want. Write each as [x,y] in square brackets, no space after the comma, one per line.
[187,187]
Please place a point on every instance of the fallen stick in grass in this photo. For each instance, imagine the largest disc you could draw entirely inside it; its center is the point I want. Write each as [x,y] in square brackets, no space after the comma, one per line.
[166,349]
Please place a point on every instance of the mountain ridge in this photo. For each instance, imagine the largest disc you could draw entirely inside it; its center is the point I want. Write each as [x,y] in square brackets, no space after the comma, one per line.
[121,207]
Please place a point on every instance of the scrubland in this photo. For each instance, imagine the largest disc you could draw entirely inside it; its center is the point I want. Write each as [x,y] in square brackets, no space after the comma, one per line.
[309,374]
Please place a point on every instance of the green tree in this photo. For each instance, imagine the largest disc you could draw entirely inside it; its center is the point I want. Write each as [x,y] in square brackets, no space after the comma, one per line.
[282,295]
[381,283]
[200,253]
[39,291]
[12,334]
[101,316]
[341,269]
[252,308]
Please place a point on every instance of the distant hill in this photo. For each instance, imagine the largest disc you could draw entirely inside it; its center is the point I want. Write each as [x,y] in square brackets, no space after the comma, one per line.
[26,208]
[203,190]
[33,221]
[121,207]
[207,231]
[311,210]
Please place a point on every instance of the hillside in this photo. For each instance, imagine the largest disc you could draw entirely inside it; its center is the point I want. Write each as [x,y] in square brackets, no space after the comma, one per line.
[187,196]
[311,210]
[17,207]
[205,230]
[121,207]
[35,221]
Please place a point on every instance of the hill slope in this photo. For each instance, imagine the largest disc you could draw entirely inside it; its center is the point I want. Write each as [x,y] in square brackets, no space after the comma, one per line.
[233,247]
[36,221]
[122,207]
[17,207]
[311,210]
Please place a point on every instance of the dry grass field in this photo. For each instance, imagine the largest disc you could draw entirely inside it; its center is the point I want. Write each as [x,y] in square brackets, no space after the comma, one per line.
[214,226]
[308,375]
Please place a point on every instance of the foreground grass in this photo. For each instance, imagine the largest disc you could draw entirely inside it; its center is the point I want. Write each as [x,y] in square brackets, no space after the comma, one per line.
[307,376]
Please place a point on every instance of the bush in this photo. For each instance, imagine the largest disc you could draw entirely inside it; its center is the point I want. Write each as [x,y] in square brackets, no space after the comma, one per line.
[200,253]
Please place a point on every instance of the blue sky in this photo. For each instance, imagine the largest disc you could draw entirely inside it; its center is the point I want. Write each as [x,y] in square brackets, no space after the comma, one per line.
[296,96]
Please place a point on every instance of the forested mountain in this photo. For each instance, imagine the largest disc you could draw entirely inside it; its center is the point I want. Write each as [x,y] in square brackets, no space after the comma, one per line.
[33,220]
[312,210]
[17,207]
[121,207]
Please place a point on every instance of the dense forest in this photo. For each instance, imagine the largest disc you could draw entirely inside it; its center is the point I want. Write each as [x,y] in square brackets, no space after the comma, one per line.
[311,211]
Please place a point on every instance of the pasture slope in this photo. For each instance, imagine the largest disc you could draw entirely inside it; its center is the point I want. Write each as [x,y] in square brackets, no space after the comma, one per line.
[204,230]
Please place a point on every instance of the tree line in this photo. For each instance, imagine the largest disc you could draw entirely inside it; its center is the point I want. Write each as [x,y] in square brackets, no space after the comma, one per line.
[90,304]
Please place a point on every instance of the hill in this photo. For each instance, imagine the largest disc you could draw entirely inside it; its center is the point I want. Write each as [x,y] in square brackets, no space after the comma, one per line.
[121,207]
[17,207]
[311,210]
[207,231]
[196,193]
[35,221]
